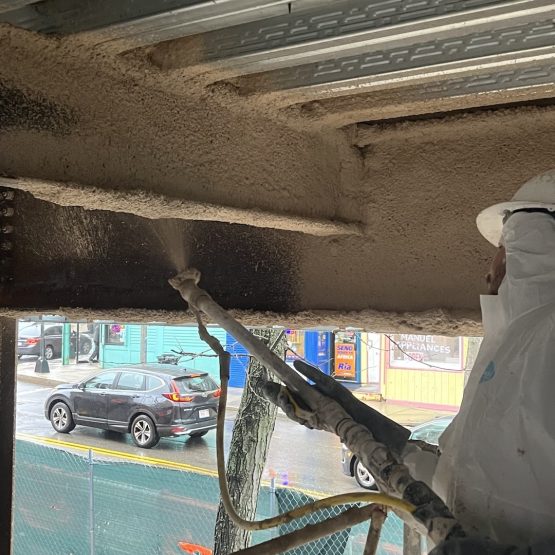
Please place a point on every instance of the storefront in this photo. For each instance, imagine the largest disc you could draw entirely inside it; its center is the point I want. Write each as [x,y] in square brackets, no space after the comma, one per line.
[424,370]
[129,344]
[371,364]
[314,346]
[419,370]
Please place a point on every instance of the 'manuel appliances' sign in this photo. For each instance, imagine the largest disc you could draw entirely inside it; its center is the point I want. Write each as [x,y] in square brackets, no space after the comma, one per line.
[425,351]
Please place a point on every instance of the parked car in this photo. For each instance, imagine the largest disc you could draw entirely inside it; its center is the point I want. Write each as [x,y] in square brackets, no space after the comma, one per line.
[29,340]
[148,402]
[429,432]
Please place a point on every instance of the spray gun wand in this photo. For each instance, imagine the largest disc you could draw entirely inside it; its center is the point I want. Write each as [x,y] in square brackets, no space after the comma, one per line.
[328,406]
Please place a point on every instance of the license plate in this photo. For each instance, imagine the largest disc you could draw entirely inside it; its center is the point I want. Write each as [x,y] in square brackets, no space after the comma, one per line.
[205,413]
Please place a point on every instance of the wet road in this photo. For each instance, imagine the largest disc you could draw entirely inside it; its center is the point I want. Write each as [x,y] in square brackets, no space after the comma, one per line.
[298,457]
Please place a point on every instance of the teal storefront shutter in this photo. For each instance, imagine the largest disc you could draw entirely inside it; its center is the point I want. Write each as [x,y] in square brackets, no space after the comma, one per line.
[126,353]
[164,339]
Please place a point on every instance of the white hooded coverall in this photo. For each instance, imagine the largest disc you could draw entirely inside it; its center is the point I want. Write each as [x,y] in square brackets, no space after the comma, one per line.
[496,471]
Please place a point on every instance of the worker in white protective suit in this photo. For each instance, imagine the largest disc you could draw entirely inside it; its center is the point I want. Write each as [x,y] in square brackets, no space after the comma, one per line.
[496,470]
[496,467]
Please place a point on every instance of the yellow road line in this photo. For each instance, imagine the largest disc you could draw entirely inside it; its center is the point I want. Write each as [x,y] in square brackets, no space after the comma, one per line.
[147,460]
[119,454]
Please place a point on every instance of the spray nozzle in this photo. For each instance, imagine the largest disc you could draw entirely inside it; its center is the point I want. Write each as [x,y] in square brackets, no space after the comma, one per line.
[190,274]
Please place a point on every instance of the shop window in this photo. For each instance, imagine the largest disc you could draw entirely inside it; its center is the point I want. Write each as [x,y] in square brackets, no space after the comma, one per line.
[422,351]
[115,334]
[295,342]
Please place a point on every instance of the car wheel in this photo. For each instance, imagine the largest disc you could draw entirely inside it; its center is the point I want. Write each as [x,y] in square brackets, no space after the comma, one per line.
[61,419]
[363,477]
[85,347]
[143,432]
[198,434]
[49,352]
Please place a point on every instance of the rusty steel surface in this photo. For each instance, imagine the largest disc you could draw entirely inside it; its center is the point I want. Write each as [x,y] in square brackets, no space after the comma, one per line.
[69,257]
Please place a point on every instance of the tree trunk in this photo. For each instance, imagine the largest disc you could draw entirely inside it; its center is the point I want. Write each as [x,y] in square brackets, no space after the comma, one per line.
[250,442]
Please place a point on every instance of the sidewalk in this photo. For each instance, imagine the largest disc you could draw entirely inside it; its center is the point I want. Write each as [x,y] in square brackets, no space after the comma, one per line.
[74,373]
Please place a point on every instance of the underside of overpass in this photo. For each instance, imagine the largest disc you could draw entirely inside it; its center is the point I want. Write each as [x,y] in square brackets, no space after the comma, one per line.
[321,162]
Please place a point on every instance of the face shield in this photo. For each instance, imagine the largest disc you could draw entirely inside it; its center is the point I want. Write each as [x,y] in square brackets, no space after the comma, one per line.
[529,283]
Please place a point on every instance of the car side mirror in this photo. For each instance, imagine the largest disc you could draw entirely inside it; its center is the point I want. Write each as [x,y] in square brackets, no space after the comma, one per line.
[81,386]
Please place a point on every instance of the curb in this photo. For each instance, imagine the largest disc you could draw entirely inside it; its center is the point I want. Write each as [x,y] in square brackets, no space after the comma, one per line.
[39,380]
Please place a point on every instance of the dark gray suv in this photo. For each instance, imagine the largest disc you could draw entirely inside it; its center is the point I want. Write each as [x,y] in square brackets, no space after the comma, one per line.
[148,402]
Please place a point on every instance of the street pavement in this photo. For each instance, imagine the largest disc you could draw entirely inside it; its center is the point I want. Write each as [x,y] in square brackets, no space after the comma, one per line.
[302,458]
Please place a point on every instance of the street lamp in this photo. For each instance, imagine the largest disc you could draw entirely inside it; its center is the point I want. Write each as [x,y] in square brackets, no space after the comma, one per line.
[41,366]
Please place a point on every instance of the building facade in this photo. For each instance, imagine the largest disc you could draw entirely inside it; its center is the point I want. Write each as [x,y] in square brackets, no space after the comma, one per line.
[418,370]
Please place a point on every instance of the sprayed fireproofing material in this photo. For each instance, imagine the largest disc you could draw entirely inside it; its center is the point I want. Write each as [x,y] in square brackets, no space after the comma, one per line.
[370,226]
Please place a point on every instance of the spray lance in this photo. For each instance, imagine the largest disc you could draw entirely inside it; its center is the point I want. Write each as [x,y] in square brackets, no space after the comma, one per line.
[376,440]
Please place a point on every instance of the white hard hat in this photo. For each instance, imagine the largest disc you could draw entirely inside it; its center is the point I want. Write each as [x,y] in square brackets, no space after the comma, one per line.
[539,192]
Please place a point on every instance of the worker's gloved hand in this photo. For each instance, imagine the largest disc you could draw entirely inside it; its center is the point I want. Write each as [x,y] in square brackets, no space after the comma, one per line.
[384,430]
[291,405]
[473,546]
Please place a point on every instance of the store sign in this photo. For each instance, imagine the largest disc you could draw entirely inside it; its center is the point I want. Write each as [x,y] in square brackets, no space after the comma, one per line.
[345,361]
[422,351]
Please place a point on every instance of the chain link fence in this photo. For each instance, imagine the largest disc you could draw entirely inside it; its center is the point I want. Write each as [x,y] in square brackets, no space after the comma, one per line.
[74,504]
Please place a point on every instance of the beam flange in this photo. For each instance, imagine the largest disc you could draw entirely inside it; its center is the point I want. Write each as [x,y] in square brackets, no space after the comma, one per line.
[141,203]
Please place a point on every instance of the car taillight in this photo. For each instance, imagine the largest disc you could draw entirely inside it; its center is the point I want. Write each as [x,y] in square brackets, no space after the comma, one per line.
[177,398]
[217,393]
[32,340]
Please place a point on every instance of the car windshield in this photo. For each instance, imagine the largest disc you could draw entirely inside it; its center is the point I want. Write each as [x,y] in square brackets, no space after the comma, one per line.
[196,382]
[31,330]
[431,431]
